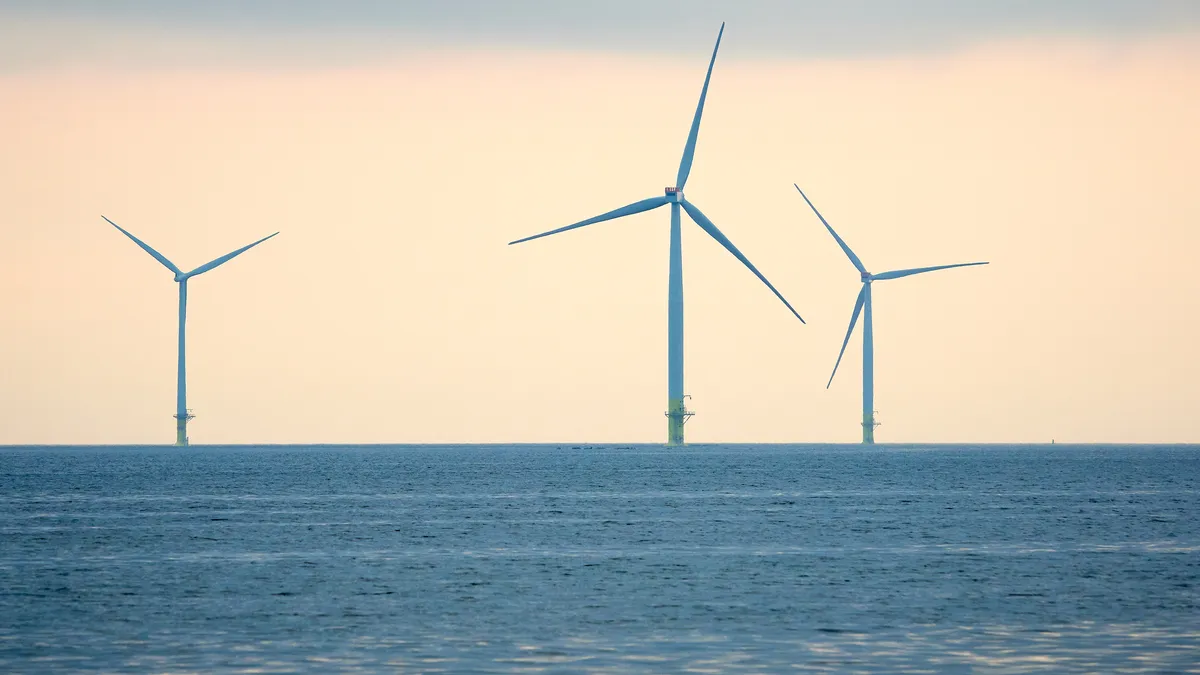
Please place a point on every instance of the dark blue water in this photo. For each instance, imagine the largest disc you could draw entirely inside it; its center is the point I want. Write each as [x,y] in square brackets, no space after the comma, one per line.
[565,558]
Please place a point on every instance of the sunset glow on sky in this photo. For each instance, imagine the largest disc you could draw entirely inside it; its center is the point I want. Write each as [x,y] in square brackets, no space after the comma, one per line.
[399,153]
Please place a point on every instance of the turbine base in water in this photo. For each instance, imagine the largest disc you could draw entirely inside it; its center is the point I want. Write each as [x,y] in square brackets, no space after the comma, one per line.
[677,415]
[868,425]
[181,437]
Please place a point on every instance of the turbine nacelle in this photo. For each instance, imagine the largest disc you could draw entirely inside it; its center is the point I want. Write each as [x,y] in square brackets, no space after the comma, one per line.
[180,278]
[866,277]
[674,194]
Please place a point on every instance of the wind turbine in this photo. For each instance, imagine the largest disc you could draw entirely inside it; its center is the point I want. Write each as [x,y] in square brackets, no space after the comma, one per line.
[182,414]
[864,300]
[677,413]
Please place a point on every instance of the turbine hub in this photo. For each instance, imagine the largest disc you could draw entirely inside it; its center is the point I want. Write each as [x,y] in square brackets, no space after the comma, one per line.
[180,277]
[674,194]
[866,277]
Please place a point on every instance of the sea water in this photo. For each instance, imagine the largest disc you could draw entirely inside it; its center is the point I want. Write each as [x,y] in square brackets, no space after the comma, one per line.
[577,558]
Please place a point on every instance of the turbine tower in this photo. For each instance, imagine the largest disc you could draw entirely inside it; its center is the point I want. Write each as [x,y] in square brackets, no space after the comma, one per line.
[864,301]
[677,413]
[182,414]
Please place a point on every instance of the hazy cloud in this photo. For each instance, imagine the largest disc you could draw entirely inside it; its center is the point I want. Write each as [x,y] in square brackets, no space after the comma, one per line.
[40,32]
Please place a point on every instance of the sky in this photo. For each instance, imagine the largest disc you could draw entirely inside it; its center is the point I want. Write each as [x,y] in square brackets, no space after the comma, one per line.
[399,146]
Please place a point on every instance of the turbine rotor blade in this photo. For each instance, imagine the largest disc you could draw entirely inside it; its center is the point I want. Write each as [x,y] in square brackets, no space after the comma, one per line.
[849,254]
[689,149]
[862,296]
[225,258]
[896,274]
[707,225]
[636,207]
[145,247]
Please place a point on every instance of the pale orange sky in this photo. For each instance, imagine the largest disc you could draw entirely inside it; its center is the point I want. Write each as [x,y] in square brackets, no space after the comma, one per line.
[391,310]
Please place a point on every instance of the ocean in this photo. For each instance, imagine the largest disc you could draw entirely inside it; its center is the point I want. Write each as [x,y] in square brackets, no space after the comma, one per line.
[600,558]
